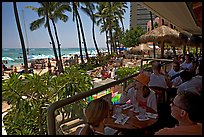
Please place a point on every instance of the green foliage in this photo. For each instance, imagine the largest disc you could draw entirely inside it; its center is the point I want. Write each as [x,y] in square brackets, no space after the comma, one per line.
[145,66]
[125,72]
[131,37]
[31,95]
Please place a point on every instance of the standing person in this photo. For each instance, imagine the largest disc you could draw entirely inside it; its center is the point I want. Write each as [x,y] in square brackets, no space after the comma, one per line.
[15,69]
[186,108]
[49,66]
[95,113]
[174,74]
[2,69]
[187,64]
[157,78]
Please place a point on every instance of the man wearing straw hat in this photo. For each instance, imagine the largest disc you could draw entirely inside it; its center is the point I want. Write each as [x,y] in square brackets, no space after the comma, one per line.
[140,91]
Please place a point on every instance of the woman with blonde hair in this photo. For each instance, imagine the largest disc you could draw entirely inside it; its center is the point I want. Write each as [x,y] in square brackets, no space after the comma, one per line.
[95,113]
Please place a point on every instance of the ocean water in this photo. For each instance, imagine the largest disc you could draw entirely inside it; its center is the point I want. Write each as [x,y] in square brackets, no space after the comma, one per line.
[16,53]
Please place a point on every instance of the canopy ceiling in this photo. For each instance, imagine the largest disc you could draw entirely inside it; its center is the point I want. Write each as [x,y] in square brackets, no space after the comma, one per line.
[179,14]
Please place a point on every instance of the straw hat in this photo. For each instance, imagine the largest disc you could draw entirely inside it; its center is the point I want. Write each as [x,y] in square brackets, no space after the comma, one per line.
[142,78]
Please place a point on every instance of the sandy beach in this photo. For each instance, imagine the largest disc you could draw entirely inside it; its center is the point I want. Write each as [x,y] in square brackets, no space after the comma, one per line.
[38,71]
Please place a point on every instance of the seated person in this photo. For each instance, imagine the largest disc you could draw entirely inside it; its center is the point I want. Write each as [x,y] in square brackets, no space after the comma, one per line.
[187,64]
[186,108]
[193,84]
[156,78]
[95,113]
[139,91]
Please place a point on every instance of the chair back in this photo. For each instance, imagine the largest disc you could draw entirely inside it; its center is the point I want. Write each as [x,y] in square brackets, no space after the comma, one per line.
[160,93]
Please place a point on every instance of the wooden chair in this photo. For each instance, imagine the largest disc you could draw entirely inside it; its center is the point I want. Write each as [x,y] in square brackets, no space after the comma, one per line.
[161,94]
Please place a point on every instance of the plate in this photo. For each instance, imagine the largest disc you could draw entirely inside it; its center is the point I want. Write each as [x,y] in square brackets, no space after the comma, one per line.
[123,120]
[114,116]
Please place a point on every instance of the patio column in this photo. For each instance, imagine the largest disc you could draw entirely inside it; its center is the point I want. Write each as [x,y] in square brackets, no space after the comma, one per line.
[184,49]
[162,49]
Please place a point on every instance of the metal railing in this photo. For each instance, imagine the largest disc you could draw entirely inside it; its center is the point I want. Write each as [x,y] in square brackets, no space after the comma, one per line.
[51,122]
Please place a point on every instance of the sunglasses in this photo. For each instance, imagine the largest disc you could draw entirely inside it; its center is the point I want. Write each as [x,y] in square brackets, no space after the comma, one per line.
[173,104]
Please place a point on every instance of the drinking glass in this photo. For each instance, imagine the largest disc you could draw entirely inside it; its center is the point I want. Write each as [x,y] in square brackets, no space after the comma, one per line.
[118,113]
[142,112]
[135,105]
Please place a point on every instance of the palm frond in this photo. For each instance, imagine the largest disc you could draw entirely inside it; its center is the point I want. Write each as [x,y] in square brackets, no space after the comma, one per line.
[37,24]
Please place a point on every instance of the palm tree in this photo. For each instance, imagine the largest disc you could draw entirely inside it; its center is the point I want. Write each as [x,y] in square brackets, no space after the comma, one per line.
[89,9]
[109,14]
[77,4]
[78,31]
[56,12]
[43,12]
[21,37]
[101,16]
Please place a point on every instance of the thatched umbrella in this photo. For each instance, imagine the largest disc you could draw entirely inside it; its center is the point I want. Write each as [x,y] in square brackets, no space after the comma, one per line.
[160,35]
[143,47]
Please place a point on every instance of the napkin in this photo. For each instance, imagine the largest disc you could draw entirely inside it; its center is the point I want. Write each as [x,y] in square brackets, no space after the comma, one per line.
[142,119]
[123,120]
[115,116]
[126,106]
[151,115]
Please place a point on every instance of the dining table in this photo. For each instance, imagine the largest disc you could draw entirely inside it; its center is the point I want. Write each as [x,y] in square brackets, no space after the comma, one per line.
[133,124]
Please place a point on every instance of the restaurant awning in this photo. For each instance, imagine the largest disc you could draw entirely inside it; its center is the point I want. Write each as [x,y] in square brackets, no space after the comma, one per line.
[186,16]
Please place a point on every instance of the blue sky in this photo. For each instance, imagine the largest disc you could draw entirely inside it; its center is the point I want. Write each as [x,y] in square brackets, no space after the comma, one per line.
[40,38]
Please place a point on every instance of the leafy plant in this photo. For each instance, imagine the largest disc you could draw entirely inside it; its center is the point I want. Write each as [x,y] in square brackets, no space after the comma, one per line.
[125,72]
[30,96]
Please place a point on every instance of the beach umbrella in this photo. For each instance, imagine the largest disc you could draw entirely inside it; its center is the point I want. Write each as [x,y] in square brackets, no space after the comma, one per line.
[50,56]
[143,47]
[41,56]
[65,56]
[7,58]
[31,57]
[160,35]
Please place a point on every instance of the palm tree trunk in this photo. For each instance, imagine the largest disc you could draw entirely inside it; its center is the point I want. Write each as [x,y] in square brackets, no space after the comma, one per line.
[79,37]
[106,37]
[21,37]
[83,37]
[93,32]
[57,38]
[110,28]
[50,34]
[122,25]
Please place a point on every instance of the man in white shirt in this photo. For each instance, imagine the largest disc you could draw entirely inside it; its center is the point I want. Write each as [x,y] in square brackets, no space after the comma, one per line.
[156,78]
[174,74]
[187,64]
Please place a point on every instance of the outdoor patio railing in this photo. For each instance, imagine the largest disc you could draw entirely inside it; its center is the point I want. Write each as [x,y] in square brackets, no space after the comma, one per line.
[51,118]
